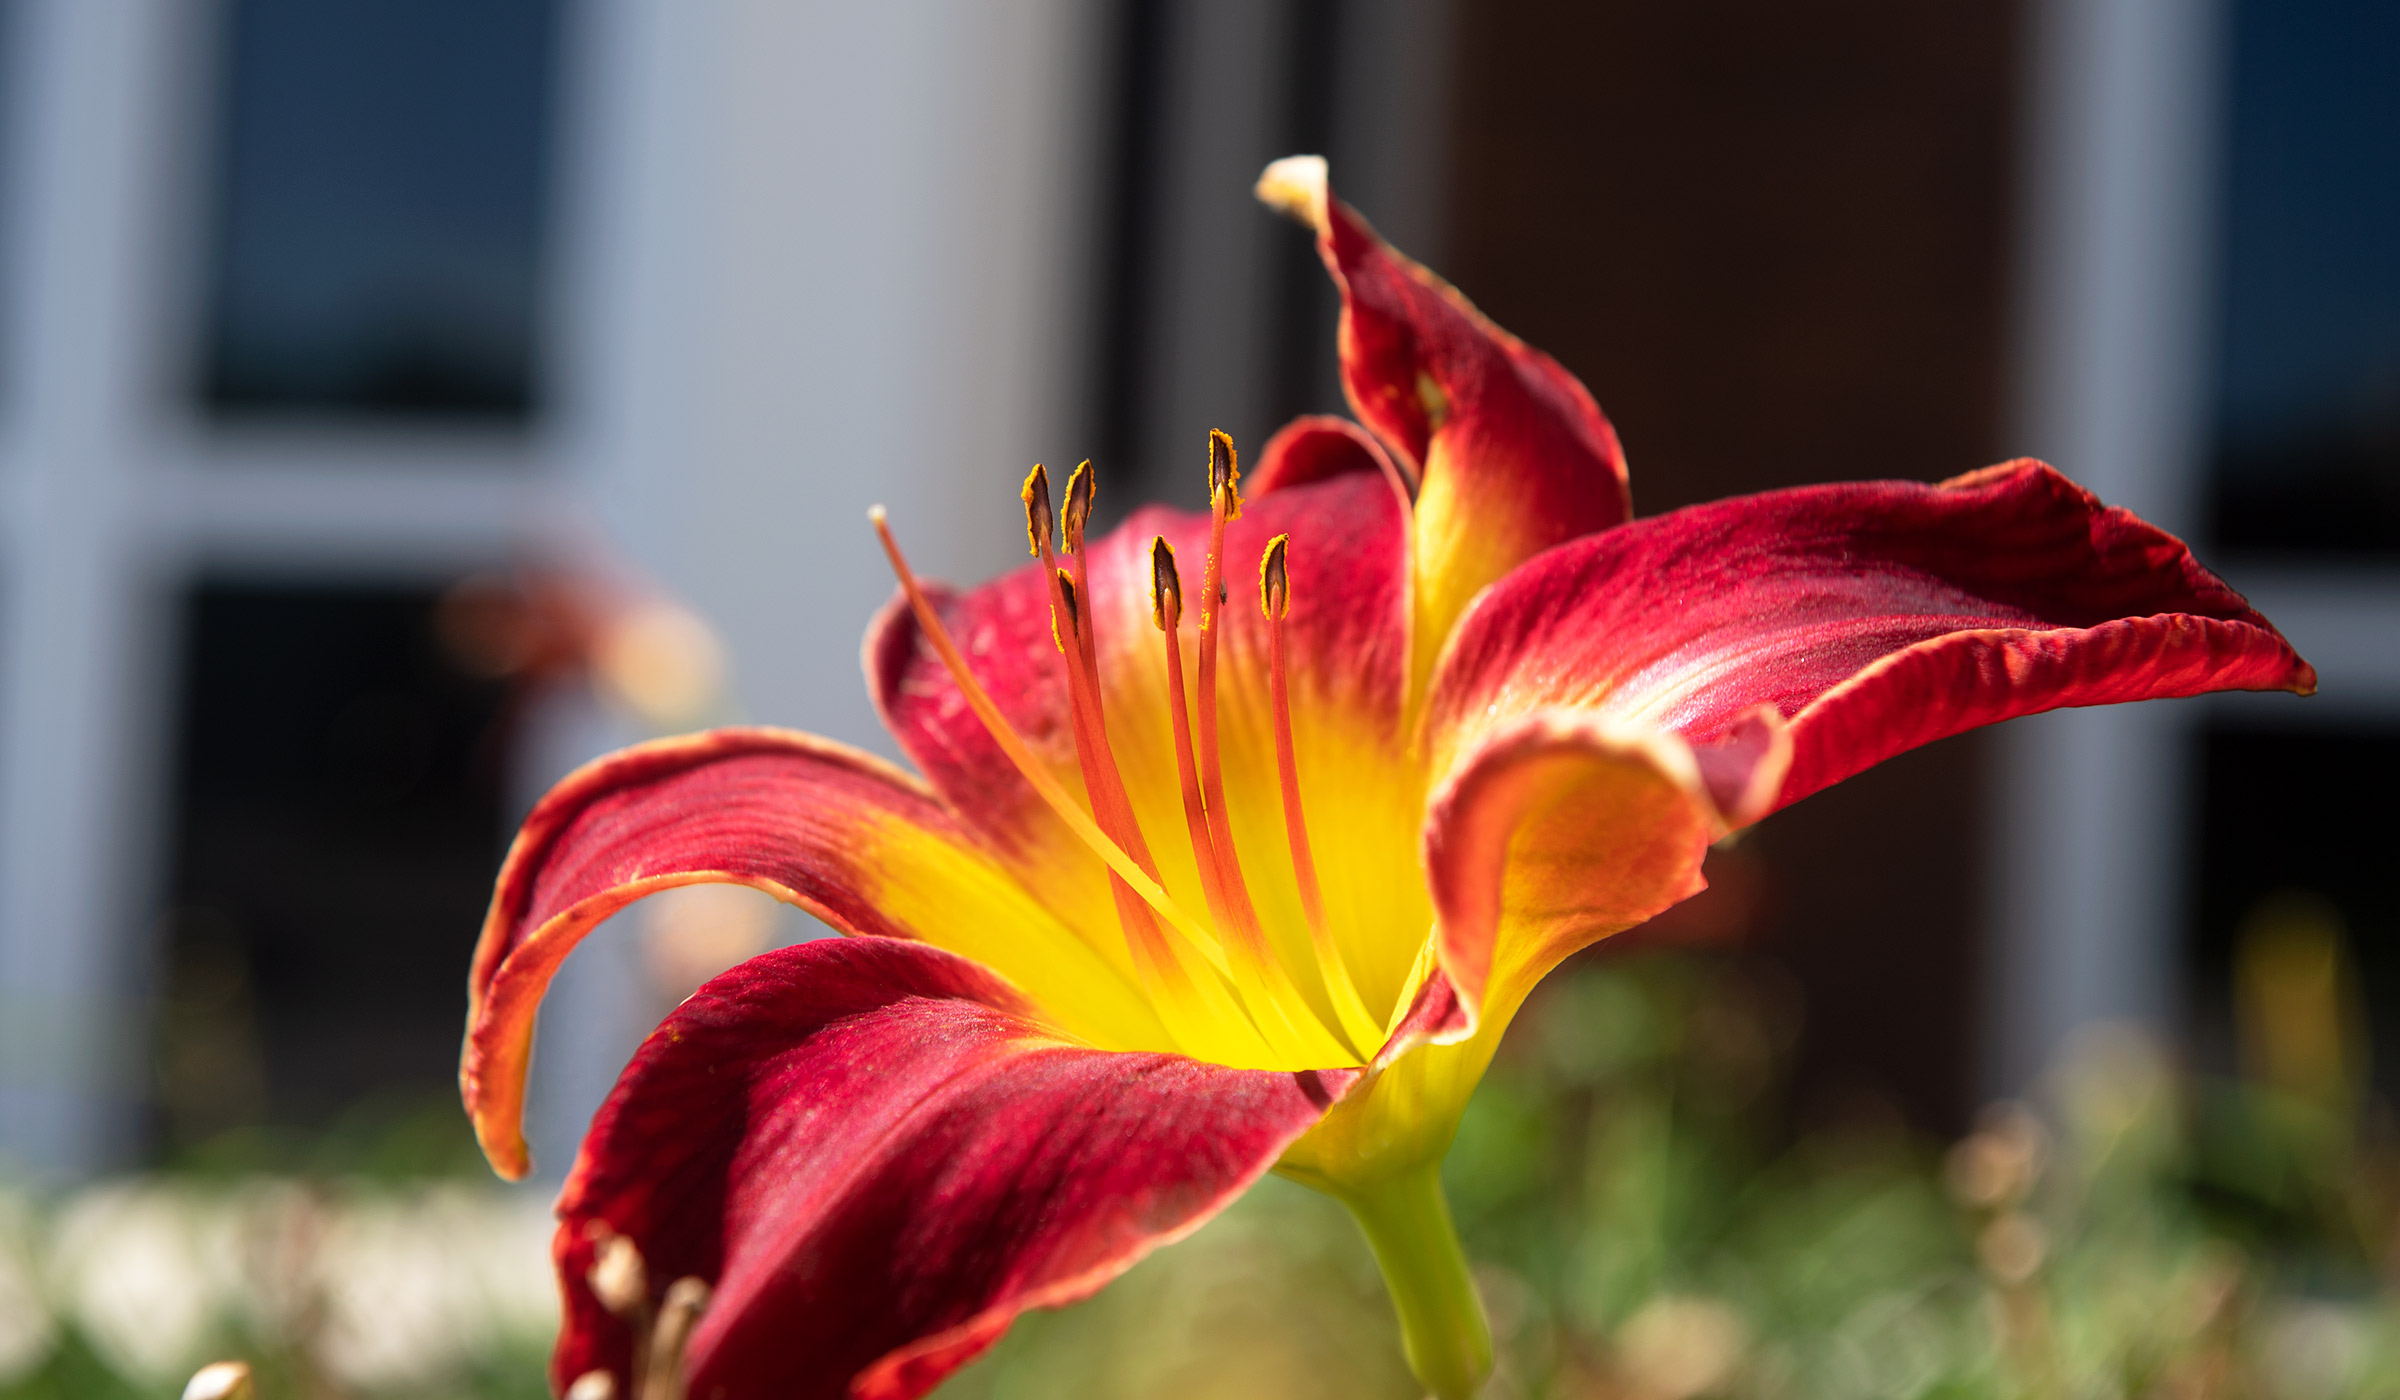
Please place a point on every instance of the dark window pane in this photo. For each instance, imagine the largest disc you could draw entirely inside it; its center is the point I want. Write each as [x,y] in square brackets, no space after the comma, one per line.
[383,169]
[2308,410]
[337,824]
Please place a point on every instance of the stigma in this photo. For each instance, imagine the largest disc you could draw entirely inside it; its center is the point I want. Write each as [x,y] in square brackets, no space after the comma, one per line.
[1225,985]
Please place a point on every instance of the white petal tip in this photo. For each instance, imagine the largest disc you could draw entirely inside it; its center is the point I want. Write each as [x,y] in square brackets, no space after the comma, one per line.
[1296,186]
[220,1380]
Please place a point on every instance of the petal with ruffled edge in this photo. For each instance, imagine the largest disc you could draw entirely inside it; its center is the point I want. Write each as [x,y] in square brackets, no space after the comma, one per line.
[1511,454]
[837,832]
[1557,831]
[879,1154]
[1347,646]
[1868,618]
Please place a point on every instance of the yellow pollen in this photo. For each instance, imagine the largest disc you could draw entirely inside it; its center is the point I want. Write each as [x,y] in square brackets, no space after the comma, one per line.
[1081,487]
[1036,495]
[1166,588]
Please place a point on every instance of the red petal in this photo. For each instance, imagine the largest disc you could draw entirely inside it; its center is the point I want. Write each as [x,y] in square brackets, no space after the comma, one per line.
[837,832]
[878,1161]
[1513,454]
[1873,616]
[1318,446]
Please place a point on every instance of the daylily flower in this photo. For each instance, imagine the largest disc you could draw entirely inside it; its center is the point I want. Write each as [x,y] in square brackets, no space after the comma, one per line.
[1240,836]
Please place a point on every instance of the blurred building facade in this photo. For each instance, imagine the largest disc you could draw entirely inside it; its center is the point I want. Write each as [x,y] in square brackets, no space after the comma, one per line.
[312,312]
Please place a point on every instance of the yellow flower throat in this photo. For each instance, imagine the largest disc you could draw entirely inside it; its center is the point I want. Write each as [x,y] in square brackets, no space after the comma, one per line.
[1217,983]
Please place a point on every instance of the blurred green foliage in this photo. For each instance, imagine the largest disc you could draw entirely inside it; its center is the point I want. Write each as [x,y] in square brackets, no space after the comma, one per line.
[1648,1225]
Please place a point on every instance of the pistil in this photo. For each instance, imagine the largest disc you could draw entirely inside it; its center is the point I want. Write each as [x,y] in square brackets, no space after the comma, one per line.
[1275,599]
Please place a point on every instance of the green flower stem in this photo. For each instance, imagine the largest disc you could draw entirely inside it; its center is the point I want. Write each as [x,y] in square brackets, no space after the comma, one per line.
[1442,1327]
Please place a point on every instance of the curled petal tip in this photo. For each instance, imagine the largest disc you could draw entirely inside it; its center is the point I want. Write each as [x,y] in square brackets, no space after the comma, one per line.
[1295,185]
[220,1380]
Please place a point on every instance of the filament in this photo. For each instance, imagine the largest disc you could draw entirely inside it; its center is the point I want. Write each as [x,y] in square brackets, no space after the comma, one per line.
[1274,596]
[1071,628]
[1166,609]
[1192,1007]
[1031,768]
[1249,939]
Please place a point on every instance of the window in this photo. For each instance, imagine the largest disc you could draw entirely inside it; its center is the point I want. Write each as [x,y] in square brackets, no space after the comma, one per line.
[2308,369]
[382,171]
[338,818]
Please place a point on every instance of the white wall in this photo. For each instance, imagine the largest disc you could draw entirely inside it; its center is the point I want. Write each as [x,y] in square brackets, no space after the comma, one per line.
[814,255]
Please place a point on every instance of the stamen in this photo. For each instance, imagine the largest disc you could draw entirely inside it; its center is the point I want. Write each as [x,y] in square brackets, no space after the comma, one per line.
[1081,488]
[1250,940]
[1109,800]
[678,1313]
[1275,599]
[1035,773]
[1065,613]
[1224,503]
[1166,609]
[1192,1005]
[1035,493]
[620,1280]
[1073,633]
[1110,806]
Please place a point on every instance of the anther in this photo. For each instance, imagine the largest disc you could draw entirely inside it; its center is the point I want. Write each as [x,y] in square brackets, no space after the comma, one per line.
[1274,580]
[1166,609]
[1281,998]
[1275,600]
[678,1314]
[617,1276]
[620,1280]
[1035,773]
[1224,473]
[1036,496]
[593,1385]
[1066,620]
[1166,588]
[1081,487]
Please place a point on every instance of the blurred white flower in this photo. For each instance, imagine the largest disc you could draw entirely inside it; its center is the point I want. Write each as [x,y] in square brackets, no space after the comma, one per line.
[1679,1347]
[129,1263]
[414,1286]
[27,1330]
[2312,1350]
